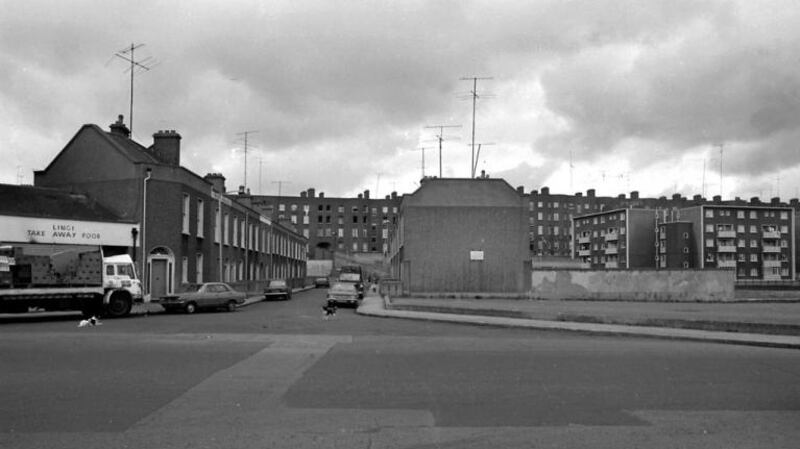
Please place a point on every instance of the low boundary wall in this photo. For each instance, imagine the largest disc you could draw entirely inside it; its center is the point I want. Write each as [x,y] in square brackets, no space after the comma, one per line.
[634,285]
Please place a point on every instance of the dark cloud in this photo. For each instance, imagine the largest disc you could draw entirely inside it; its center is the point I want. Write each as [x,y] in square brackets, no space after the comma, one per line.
[352,84]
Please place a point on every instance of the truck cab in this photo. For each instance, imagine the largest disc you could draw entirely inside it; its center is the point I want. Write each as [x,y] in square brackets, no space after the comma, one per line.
[119,273]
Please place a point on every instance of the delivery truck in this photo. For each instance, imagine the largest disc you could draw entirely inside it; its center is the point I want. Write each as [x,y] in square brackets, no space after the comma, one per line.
[66,277]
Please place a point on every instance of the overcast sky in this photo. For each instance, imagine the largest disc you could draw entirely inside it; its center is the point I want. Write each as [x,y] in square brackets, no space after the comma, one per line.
[637,94]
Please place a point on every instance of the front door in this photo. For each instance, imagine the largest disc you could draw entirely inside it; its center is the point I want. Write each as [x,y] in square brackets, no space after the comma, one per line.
[158,278]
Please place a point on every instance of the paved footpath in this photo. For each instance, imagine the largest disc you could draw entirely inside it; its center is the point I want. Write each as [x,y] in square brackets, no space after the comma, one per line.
[782,318]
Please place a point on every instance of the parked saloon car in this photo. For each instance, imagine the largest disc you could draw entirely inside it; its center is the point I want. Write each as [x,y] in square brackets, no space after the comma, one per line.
[278,288]
[344,293]
[211,295]
[322,282]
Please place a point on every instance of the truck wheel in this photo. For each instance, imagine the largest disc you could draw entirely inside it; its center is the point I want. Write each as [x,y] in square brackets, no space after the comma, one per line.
[119,305]
[190,308]
[231,306]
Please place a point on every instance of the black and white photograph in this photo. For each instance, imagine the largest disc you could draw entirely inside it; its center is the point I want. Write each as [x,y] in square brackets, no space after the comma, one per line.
[399,224]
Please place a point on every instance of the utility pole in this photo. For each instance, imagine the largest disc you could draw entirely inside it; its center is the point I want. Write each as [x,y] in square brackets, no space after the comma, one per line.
[440,138]
[245,134]
[280,184]
[260,166]
[474,95]
[127,54]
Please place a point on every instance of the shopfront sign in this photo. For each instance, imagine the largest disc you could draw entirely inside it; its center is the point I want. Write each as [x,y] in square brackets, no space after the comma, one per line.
[70,232]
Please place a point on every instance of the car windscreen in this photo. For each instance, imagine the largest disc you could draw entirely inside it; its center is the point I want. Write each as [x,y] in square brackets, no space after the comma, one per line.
[341,287]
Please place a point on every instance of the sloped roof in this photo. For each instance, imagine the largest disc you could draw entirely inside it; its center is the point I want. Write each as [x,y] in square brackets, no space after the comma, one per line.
[129,148]
[464,192]
[29,201]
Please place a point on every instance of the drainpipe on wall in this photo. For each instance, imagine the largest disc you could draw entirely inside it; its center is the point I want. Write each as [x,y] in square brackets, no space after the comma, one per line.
[145,285]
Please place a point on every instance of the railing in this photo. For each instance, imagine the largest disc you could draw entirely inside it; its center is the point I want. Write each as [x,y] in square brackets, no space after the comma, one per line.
[584,239]
[611,236]
[726,263]
[612,265]
[772,264]
[726,249]
[584,252]
[726,234]
[771,235]
[771,249]
[613,250]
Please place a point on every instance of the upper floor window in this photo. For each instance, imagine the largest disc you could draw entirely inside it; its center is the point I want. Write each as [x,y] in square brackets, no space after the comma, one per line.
[200,214]
[186,201]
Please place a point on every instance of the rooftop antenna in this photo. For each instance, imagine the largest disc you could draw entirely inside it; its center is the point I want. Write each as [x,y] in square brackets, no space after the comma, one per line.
[245,134]
[377,184]
[721,146]
[127,54]
[20,175]
[260,167]
[477,156]
[440,138]
[570,169]
[280,184]
[474,95]
[704,178]
[422,149]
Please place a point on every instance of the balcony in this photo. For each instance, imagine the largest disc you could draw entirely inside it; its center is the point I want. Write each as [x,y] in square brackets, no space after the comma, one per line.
[612,236]
[612,250]
[612,265]
[726,248]
[584,252]
[772,235]
[772,264]
[584,239]
[726,264]
[726,234]
[771,249]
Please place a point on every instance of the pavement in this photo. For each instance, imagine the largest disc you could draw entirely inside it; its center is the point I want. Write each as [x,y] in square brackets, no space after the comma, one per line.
[757,323]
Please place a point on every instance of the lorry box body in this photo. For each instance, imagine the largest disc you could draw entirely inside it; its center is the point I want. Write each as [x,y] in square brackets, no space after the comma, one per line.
[66,277]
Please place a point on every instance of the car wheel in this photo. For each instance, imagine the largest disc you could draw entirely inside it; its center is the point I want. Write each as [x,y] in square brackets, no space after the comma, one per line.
[231,306]
[190,308]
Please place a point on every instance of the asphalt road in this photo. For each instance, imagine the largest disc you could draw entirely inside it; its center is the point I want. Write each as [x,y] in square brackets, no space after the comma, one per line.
[275,374]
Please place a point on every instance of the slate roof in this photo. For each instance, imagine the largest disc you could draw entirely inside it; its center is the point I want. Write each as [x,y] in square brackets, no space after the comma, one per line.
[29,201]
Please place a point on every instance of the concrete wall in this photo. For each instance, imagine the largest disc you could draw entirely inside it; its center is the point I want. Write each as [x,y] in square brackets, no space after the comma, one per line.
[634,285]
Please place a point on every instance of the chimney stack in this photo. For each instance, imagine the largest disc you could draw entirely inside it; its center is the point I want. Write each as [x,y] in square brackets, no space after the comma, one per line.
[366,194]
[118,128]
[590,193]
[167,147]
[217,181]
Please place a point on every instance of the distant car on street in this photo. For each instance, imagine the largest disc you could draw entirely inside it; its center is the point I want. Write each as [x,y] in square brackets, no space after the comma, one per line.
[344,293]
[322,281]
[210,295]
[278,288]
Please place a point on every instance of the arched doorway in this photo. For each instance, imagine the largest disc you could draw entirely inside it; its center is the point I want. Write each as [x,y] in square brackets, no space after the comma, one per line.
[160,267]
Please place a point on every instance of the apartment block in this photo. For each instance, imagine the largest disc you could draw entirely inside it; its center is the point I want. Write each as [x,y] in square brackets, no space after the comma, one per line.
[356,225]
[757,241]
[615,239]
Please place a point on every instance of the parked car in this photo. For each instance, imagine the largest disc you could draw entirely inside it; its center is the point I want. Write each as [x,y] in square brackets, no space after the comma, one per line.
[322,282]
[343,293]
[210,295]
[278,288]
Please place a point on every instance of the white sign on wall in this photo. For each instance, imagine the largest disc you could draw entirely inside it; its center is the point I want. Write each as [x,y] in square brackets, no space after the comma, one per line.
[70,232]
[476,255]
